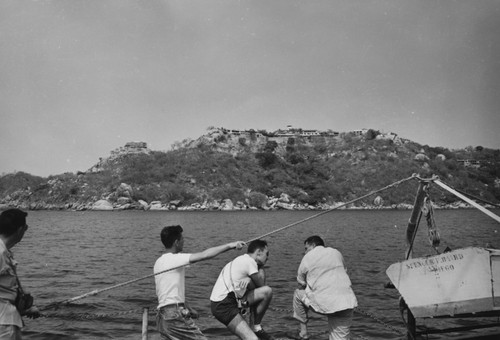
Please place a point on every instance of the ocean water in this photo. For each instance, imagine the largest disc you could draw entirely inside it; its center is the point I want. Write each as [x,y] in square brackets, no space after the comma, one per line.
[70,254]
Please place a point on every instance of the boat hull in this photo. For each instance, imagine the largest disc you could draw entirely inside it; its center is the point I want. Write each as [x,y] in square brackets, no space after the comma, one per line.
[462,281]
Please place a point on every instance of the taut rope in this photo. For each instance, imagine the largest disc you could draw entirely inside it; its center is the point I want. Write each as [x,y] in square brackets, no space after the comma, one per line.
[337,207]
[97,291]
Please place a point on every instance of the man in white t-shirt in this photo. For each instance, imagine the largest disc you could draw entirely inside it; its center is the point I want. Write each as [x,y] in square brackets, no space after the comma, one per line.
[175,317]
[325,288]
[242,283]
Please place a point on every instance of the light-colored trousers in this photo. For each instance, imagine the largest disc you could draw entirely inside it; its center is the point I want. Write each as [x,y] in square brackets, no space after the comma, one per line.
[10,332]
[339,323]
[173,325]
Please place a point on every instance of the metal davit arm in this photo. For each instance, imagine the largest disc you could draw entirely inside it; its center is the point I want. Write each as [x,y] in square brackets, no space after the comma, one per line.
[411,229]
[466,199]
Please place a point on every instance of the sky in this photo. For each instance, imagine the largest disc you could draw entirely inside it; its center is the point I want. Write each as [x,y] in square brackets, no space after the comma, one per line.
[80,78]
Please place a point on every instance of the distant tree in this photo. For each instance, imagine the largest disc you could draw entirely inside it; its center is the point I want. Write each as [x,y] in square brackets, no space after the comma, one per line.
[257,199]
[270,146]
[295,159]
[253,135]
[266,159]
[221,139]
[372,134]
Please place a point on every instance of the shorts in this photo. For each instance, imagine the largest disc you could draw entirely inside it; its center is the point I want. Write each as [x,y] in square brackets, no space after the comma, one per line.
[227,309]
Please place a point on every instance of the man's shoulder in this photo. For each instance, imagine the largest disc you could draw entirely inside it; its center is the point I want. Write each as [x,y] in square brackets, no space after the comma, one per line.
[244,259]
[320,251]
[171,258]
[325,249]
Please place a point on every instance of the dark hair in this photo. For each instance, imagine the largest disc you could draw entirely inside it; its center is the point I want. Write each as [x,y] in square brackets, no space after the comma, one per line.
[170,234]
[256,244]
[316,240]
[11,220]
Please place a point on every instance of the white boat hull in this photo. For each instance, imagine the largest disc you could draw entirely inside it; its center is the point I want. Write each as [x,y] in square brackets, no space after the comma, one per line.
[462,281]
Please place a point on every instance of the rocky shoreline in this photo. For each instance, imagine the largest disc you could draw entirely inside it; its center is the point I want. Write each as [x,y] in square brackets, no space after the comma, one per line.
[122,198]
[273,204]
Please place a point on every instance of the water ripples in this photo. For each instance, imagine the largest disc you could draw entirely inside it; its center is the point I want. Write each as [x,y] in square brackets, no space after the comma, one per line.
[66,254]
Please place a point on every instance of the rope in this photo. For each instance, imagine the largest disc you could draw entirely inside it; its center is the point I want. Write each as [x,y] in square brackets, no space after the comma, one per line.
[335,208]
[380,321]
[89,316]
[97,291]
[152,311]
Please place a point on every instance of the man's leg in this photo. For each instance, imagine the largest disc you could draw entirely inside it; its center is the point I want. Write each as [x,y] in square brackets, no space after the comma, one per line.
[300,309]
[339,324]
[240,327]
[259,299]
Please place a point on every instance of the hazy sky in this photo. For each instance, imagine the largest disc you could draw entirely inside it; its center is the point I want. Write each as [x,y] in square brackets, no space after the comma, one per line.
[79,78]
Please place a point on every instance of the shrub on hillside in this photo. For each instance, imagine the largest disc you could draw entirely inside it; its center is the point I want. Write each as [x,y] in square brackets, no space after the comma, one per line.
[266,159]
[257,199]
[234,194]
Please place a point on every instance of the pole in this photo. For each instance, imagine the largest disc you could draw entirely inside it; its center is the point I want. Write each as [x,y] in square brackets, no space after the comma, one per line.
[411,229]
[412,326]
[468,200]
[145,323]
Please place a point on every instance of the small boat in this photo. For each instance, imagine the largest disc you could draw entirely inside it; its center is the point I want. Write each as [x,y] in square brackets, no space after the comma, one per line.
[459,283]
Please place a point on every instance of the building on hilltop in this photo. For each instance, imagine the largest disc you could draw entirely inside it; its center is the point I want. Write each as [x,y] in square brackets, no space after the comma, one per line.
[298,132]
[133,148]
[359,132]
[136,145]
[470,162]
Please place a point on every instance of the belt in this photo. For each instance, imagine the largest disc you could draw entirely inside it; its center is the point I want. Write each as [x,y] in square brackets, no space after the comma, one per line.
[173,305]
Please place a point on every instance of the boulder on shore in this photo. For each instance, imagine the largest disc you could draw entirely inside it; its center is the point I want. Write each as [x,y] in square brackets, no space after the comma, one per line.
[102,205]
[227,204]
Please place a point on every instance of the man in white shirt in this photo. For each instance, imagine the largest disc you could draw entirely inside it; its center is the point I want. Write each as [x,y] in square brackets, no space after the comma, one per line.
[325,287]
[175,317]
[241,284]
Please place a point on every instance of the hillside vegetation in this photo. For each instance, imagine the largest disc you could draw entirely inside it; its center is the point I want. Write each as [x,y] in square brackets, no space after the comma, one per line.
[257,169]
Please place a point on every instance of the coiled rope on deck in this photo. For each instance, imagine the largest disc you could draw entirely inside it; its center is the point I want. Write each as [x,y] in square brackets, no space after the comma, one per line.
[98,291]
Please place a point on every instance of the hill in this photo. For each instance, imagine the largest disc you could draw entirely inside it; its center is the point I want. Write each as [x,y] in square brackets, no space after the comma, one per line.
[290,169]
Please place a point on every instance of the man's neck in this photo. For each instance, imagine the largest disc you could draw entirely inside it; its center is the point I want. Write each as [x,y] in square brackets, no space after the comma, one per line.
[172,250]
[8,241]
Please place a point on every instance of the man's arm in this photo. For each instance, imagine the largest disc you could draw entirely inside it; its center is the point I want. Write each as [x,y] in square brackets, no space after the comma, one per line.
[259,278]
[302,275]
[214,251]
